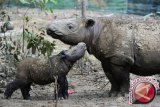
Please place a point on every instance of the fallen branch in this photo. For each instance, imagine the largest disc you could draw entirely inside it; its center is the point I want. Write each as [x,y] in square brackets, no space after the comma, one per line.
[104,86]
[56,91]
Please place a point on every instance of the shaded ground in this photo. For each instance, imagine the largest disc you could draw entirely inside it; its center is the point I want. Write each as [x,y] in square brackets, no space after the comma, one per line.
[86,78]
[89,92]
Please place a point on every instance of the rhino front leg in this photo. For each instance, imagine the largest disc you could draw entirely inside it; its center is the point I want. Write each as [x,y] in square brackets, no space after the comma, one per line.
[121,75]
[114,85]
[63,87]
[125,83]
[120,67]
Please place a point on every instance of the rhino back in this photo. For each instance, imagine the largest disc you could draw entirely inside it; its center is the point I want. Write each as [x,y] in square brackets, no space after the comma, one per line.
[136,39]
[43,73]
[39,71]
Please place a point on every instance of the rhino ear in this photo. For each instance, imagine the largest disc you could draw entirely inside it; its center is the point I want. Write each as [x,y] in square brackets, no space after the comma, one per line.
[90,23]
[63,55]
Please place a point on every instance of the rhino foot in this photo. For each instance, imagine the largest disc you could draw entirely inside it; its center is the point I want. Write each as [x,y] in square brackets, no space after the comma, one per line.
[113,93]
[117,94]
[62,95]
[28,98]
[6,97]
[124,88]
[119,91]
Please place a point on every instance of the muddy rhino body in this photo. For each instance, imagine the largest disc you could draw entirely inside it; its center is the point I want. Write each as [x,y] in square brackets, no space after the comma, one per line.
[121,44]
[39,71]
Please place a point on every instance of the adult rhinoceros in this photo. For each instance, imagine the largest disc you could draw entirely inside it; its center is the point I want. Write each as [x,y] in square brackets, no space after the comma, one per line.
[122,45]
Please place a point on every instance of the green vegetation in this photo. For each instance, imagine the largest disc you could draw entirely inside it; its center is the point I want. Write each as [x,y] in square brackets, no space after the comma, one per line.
[30,41]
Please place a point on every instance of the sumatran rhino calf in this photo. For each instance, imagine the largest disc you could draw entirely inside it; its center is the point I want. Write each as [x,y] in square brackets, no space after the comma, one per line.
[39,71]
[122,45]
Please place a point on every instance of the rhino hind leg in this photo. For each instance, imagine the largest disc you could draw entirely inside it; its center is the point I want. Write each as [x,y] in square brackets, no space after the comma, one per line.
[25,91]
[115,88]
[11,87]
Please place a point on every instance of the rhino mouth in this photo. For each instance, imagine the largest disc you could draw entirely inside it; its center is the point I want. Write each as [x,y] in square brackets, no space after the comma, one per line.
[55,33]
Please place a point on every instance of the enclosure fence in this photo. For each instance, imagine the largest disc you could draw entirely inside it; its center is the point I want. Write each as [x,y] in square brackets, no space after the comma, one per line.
[141,7]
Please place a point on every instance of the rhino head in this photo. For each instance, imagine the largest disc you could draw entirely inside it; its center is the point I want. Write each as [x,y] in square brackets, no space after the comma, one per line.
[75,53]
[71,31]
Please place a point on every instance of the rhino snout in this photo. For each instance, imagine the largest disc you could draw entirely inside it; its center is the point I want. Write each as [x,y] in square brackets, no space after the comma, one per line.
[54,32]
[83,45]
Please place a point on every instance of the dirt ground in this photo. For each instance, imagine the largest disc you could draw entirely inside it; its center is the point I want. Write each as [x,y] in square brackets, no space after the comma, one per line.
[89,82]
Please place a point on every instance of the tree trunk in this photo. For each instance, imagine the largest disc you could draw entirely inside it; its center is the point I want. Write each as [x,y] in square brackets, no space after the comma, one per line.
[1,4]
[83,4]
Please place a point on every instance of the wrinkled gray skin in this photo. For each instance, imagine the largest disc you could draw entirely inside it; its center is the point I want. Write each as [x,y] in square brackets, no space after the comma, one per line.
[39,71]
[122,46]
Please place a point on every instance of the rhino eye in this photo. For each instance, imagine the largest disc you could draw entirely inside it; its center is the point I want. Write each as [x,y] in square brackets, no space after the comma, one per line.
[70,26]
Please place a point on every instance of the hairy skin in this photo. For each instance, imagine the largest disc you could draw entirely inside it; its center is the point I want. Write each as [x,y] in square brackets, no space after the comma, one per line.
[40,71]
[122,45]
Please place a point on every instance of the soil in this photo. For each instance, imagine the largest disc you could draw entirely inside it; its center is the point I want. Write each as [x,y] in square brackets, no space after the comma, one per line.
[87,79]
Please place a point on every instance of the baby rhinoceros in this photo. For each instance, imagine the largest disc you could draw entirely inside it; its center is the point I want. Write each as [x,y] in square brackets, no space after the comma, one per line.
[40,71]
